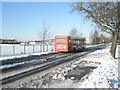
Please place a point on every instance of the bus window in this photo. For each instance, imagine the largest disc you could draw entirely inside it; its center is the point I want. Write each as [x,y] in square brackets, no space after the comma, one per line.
[77,42]
[61,40]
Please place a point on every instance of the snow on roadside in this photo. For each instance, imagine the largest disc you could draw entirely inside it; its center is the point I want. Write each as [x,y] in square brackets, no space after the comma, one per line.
[21,63]
[23,55]
[94,45]
[105,76]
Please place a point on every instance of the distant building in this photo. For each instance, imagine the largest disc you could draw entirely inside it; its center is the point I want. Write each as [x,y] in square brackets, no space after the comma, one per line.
[34,42]
[51,41]
[9,41]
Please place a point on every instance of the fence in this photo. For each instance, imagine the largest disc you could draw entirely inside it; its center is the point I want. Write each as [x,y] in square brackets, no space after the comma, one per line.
[6,50]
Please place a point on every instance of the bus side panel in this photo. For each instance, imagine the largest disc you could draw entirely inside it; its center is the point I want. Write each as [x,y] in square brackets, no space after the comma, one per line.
[76,44]
[71,45]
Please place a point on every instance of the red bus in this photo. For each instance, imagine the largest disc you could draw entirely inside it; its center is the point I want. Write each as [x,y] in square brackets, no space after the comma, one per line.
[69,43]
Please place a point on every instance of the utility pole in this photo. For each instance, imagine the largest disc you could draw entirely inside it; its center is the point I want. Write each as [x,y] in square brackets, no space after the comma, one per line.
[81,30]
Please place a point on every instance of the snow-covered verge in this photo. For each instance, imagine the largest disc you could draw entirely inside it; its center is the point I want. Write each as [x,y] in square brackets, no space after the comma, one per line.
[23,55]
[95,45]
[105,76]
[18,49]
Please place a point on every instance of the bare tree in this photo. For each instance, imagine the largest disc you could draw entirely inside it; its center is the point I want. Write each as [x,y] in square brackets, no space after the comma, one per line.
[91,36]
[73,32]
[106,15]
[104,39]
[44,34]
[94,37]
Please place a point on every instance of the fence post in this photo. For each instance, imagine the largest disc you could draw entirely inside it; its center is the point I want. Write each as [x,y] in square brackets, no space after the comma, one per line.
[0,51]
[24,48]
[43,48]
[40,48]
[47,47]
[52,47]
[33,49]
[13,50]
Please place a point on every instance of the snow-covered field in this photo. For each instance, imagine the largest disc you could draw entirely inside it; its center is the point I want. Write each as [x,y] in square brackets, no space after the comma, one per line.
[104,76]
[18,49]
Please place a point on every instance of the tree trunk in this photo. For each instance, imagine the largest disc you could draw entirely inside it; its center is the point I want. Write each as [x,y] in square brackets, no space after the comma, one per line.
[114,44]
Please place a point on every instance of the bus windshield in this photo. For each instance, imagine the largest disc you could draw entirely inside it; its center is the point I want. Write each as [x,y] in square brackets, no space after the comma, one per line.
[61,40]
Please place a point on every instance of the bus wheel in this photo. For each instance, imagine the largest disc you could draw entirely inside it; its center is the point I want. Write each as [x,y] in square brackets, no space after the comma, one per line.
[83,48]
[74,49]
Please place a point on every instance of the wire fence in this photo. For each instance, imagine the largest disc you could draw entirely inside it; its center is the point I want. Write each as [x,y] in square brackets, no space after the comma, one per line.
[18,49]
[7,50]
